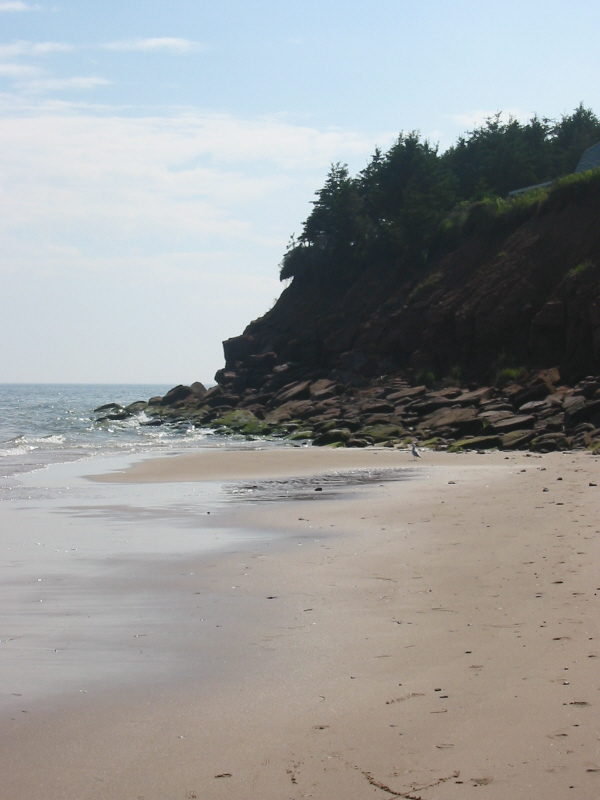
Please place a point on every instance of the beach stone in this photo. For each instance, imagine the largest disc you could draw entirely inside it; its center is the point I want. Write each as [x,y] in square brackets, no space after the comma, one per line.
[550,442]
[296,391]
[333,436]
[463,420]
[380,433]
[301,436]
[405,394]
[513,423]
[577,410]
[198,388]
[323,389]
[476,443]
[429,404]
[377,407]
[135,408]
[532,405]
[109,407]
[475,397]
[359,441]
[536,392]
[116,416]
[517,439]
[176,395]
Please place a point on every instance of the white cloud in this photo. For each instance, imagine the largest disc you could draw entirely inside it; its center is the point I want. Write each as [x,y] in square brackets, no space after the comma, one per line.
[153,45]
[163,233]
[18,70]
[84,183]
[17,6]
[64,84]
[23,48]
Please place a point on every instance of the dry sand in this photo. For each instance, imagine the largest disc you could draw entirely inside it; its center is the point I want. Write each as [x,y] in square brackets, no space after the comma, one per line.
[416,640]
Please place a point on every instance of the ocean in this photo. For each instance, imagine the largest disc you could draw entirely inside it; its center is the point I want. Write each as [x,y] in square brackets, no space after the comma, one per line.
[43,424]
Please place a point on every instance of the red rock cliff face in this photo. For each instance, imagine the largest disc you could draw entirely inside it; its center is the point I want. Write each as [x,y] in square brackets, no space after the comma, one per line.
[531,292]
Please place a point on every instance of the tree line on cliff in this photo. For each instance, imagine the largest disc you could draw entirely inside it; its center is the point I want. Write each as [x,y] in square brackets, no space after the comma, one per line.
[397,212]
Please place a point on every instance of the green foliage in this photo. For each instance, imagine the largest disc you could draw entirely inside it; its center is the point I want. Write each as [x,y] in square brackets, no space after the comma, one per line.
[412,202]
[580,269]
[426,377]
[508,375]
[425,287]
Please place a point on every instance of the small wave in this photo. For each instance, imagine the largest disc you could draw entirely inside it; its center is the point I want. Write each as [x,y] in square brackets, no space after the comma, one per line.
[18,450]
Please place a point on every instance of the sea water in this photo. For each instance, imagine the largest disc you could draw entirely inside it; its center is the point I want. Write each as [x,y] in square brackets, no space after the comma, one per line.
[43,424]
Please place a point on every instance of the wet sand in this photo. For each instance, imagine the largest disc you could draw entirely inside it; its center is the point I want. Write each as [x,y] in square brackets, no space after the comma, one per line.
[412,639]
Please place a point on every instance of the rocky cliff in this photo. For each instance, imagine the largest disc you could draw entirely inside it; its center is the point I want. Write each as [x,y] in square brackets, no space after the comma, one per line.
[495,344]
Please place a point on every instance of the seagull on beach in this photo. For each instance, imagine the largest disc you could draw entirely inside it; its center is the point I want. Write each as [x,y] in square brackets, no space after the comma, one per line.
[415,452]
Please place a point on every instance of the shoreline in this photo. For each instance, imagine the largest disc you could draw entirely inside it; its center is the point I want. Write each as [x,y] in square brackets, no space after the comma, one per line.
[472,581]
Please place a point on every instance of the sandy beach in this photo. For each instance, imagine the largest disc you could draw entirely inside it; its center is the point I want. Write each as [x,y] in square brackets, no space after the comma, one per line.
[415,638]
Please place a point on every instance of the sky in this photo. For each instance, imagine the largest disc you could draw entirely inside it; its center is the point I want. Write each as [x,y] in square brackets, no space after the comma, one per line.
[155,157]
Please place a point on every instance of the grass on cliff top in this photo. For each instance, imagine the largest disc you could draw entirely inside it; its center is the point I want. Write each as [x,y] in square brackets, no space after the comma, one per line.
[494,214]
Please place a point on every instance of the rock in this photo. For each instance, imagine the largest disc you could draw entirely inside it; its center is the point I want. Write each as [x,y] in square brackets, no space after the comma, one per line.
[244,422]
[430,403]
[198,388]
[109,407]
[176,395]
[135,408]
[463,420]
[376,407]
[380,433]
[549,442]
[334,436]
[238,348]
[155,401]
[516,440]
[299,390]
[551,316]
[587,388]
[301,436]
[406,394]
[475,397]
[574,407]
[359,441]
[116,416]
[323,389]
[536,392]
[476,443]
[533,405]
[513,423]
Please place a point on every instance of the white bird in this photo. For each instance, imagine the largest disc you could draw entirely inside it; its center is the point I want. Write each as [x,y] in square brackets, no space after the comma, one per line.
[415,452]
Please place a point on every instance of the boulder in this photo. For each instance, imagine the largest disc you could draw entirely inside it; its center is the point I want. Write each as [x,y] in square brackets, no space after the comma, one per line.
[376,407]
[176,395]
[476,443]
[114,407]
[358,441]
[299,390]
[198,388]
[538,391]
[380,433]
[430,403]
[334,436]
[406,394]
[135,408]
[475,397]
[515,440]
[323,389]
[513,423]
[463,420]
[549,442]
[575,410]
